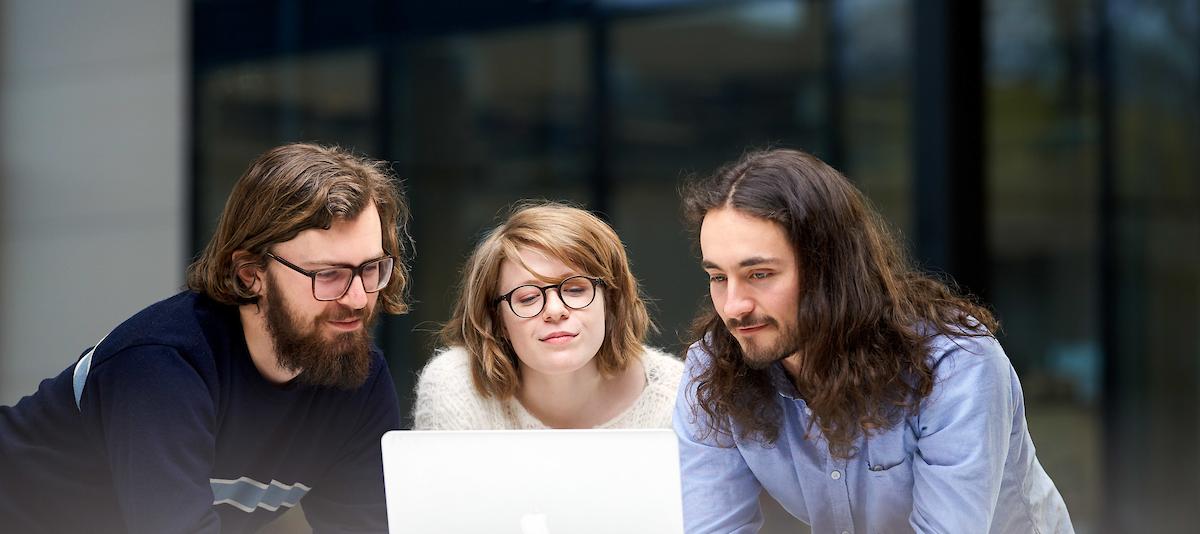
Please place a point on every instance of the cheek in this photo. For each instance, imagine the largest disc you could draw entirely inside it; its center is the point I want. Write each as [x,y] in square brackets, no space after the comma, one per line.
[515,330]
[519,336]
[509,326]
[718,301]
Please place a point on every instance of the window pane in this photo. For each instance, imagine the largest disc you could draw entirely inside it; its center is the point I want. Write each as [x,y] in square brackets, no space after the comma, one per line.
[245,108]
[1043,179]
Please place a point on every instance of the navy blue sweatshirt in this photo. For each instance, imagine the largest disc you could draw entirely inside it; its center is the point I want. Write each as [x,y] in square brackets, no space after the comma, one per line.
[176,431]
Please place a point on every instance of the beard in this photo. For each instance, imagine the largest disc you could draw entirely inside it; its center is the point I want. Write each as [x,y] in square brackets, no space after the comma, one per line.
[758,356]
[341,362]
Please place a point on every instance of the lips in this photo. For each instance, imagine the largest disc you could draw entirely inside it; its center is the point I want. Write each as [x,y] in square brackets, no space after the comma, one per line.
[347,324]
[559,337]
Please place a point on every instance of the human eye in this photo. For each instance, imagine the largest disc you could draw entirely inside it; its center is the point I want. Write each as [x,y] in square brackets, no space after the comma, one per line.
[761,275]
[576,286]
[331,275]
[716,278]
[527,295]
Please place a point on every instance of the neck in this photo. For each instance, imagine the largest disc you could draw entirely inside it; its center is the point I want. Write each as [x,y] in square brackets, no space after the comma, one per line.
[261,347]
[580,399]
[791,366]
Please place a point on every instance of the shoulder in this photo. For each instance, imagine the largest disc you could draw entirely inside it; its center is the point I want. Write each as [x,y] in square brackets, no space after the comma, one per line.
[654,407]
[696,360]
[379,385]
[446,394]
[972,370]
[447,367]
[661,368]
[184,324]
[953,355]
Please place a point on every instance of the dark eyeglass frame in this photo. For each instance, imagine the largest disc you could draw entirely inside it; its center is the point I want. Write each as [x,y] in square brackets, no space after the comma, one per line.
[355,272]
[507,297]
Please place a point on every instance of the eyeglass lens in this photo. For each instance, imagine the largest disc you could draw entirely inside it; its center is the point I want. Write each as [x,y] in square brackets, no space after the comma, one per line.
[331,284]
[576,292]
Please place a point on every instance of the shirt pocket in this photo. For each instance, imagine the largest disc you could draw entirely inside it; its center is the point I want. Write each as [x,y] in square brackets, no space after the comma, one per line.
[889,481]
[888,458]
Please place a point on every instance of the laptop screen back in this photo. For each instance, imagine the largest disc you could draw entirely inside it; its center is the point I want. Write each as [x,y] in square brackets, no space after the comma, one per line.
[533,481]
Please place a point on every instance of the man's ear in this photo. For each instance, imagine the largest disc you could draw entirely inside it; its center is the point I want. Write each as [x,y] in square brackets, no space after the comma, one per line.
[248,272]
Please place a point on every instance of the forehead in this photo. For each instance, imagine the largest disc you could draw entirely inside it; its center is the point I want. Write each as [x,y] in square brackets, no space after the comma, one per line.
[729,237]
[541,265]
[349,241]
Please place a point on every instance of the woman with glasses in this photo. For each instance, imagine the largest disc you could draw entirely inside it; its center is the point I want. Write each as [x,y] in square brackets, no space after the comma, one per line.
[548,332]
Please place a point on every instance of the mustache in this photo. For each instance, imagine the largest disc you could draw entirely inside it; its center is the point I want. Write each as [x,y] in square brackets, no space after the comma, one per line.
[749,320]
[342,313]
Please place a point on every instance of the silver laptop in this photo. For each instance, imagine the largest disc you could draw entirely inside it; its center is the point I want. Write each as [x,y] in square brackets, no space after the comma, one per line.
[532,482]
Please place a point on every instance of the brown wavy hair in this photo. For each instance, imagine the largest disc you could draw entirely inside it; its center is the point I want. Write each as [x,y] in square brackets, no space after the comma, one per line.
[865,314]
[292,188]
[574,237]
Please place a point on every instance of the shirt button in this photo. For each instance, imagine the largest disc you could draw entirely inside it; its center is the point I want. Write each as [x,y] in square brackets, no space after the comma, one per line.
[835,475]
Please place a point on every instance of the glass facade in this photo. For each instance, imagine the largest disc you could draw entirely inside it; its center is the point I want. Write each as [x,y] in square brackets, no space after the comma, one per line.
[1085,193]
[1043,229]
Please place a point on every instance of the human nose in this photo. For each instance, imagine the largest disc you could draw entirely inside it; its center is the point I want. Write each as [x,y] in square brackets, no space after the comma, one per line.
[356,295]
[737,300]
[554,307]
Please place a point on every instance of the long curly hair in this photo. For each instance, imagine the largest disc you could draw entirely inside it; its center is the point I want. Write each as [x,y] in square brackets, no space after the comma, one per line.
[865,314]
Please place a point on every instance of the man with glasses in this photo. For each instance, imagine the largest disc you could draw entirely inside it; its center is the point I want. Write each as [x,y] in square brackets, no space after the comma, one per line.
[257,389]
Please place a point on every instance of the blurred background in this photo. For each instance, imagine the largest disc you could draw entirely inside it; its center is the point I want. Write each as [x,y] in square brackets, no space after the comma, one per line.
[1043,153]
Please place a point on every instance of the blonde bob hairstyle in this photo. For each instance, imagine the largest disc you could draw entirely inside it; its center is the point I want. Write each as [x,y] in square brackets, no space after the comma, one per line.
[572,236]
[287,190]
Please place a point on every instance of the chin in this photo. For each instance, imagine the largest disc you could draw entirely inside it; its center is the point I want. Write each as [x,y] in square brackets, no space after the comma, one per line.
[557,363]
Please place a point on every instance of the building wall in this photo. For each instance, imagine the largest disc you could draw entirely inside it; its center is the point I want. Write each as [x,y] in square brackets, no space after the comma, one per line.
[92,174]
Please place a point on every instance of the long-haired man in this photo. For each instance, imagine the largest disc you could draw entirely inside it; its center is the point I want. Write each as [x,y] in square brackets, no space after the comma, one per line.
[861,394]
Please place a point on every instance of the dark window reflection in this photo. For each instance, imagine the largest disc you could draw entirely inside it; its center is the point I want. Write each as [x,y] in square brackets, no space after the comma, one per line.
[1092,125]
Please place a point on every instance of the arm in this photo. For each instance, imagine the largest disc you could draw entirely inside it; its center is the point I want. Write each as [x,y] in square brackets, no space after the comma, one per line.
[351,498]
[720,493]
[154,417]
[963,439]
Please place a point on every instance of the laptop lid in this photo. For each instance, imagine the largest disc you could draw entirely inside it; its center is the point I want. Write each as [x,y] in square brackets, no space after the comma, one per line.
[532,481]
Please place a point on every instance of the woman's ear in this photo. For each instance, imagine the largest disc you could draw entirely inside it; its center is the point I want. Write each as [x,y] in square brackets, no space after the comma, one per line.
[248,272]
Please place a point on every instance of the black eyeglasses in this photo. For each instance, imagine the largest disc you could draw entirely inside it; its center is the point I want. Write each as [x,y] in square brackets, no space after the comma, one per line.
[333,283]
[576,292]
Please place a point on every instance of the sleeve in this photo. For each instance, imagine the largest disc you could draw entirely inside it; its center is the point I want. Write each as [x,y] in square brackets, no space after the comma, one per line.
[352,498]
[963,439]
[155,418]
[720,493]
[446,397]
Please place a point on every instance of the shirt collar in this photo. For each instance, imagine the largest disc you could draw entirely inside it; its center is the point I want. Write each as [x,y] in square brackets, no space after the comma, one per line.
[782,383]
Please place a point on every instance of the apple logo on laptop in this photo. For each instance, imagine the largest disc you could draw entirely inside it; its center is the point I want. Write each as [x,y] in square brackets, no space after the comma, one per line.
[534,524]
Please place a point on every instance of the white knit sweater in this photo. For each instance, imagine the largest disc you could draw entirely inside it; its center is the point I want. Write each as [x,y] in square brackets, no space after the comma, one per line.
[447,400]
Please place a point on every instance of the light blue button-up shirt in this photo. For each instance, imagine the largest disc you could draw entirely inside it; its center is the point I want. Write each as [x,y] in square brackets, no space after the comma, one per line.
[964,464]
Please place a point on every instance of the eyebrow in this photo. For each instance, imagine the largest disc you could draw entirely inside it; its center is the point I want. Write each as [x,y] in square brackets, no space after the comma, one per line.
[324,264]
[752,261]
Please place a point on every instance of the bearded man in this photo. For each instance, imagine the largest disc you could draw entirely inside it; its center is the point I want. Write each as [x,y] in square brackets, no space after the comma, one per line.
[218,409]
[861,394]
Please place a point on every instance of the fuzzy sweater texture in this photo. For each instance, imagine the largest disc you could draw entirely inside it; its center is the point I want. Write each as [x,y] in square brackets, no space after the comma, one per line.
[447,399]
